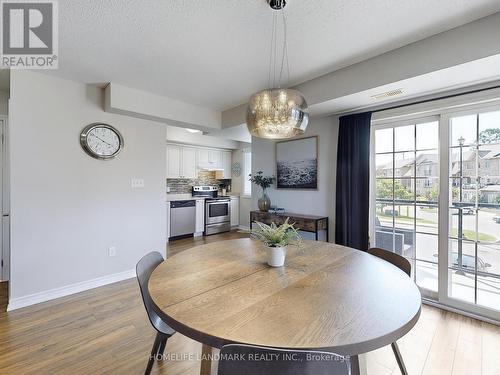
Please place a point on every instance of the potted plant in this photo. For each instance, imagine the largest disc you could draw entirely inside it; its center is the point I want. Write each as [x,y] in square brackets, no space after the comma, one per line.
[264,182]
[276,238]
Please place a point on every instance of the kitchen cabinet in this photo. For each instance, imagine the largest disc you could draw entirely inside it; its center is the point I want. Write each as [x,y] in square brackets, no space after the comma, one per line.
[215,159]
[189,169]
[226,164]
[173,161]
[181,162]
[187,161]
[202,157]
[200,216]
[235,211]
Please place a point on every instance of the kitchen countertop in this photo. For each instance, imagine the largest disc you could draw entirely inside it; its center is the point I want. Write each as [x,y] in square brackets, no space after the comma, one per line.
[184,197]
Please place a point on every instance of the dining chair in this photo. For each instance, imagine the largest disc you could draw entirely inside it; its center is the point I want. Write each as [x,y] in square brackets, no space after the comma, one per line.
[404,265]
[144,269]
[238,359]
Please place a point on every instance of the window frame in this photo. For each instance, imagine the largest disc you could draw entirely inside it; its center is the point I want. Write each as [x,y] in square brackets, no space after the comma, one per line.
[246,170]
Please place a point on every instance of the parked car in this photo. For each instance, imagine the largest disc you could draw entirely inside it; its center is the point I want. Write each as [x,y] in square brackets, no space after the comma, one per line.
[465,211]
[468,262]
[391,212]
[496,219]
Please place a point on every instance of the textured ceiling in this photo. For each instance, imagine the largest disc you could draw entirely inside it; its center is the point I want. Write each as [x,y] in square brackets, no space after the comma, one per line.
[215,52]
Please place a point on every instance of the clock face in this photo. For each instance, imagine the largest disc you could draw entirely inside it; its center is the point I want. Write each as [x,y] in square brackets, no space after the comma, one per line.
[101,141]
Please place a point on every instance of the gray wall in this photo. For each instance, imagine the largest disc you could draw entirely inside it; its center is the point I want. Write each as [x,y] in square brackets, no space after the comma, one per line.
[314,202]
[4,103]
[67,208]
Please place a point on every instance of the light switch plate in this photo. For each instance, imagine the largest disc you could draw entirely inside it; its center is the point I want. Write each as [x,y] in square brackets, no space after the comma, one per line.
[137,183]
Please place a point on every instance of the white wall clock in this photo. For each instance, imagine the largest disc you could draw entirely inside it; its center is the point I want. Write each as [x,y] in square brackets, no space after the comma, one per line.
[101,141]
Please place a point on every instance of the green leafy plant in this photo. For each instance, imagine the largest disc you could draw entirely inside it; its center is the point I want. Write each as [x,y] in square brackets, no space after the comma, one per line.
[276,236]
[263,181]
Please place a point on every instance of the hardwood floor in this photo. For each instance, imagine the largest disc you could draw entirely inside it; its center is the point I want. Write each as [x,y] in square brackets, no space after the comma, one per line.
[106,331]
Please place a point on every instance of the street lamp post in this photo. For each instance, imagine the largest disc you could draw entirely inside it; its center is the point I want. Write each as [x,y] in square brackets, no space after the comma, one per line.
[461,141]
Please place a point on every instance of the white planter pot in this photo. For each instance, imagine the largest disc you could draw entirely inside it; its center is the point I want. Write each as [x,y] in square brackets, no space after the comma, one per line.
[276,256]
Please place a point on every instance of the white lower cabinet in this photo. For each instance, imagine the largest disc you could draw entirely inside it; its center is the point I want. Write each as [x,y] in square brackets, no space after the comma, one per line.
[200,217]
[235,211]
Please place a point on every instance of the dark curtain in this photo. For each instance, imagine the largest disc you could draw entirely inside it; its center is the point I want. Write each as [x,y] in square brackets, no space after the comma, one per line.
[353,181]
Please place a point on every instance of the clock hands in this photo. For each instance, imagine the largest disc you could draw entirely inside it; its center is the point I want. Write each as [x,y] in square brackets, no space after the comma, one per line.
[102,140]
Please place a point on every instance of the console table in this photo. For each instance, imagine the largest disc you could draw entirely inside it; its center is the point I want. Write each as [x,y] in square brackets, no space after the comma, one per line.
[306,223]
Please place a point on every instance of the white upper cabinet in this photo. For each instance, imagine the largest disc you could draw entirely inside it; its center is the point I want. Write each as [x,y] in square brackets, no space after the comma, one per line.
[226,164]
[173,161]
[189,168]
[181,162]
[203,159]
[215,159]
[187,161]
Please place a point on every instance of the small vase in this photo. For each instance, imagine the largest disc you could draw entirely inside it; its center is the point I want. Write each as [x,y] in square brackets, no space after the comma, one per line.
[264,202]
[276,256]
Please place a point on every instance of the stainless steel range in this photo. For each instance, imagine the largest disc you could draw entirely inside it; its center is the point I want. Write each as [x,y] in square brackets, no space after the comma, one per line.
[217,209]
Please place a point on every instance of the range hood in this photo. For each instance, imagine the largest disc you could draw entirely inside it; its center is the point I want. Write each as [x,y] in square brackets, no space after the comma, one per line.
[209,169]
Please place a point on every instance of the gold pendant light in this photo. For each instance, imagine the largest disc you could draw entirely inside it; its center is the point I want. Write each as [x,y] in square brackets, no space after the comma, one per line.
[277,113]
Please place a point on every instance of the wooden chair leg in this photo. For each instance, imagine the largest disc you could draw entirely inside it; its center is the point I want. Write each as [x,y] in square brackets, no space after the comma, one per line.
[399,358]
[153,354]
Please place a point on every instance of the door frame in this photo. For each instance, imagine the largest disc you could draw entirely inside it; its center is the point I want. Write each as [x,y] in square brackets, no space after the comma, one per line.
[443,116]
[444,282]
[5,199]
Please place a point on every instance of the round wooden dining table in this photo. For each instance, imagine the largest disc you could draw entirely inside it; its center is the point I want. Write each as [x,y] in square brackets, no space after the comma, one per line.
[326,297]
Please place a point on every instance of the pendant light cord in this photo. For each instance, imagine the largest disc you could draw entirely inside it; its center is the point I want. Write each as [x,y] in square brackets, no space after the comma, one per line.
[284,56]
[275,77]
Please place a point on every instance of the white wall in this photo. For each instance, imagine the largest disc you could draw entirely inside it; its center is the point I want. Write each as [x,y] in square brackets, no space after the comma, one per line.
[68,208]
[313,202]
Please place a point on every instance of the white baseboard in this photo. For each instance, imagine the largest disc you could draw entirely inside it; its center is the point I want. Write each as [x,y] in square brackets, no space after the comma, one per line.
[242,227]
[32,299]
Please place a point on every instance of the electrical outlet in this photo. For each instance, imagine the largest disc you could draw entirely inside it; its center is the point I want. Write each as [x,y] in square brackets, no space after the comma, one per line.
[137,183]
[112,251]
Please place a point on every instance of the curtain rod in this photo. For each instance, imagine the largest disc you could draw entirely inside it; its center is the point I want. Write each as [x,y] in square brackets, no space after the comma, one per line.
[434,99]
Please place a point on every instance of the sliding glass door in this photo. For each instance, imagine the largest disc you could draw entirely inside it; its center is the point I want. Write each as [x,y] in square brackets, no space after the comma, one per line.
[406,196]
[436,201]
[473,267]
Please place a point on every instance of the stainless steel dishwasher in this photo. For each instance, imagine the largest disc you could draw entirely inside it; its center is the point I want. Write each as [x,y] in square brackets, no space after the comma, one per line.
[182,218]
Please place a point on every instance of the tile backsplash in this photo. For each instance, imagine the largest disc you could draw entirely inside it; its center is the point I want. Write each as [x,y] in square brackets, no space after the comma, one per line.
[183,185]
